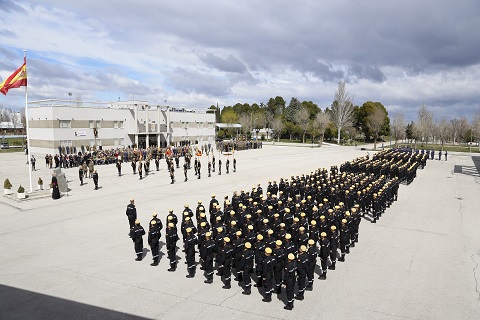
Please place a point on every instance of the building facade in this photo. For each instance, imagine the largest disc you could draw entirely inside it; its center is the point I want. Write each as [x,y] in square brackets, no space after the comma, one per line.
[57,123]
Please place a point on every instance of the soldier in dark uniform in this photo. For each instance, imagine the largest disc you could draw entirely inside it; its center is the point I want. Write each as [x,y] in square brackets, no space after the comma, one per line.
[225,262]
[140,169]
[247,267]
[227,165]
[279,254]
[157,162]
[333,247]
[219,166]
[235,163]
[344,239]
[131,213]
[208,248]
[171,236]
[267,270]
[80,174]
[323,254]
[134,166]
[259,255]
[185,170]
[213,162]
[137,233]
[238,245]
[172,174]
[119,166]
[190,243]
[95,179]
[154,241]
[301,272]
[209,168]
[289,277]
[177,161]
[199,167]
[311,263]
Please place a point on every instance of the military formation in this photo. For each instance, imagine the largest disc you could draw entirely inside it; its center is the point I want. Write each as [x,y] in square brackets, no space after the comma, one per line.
[276,239]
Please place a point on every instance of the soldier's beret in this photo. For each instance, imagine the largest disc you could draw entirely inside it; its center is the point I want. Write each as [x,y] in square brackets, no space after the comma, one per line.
[226,239]
[248,245]
[288,236]
[189,230]
[278,242]
[208,234]
[311,242]
[137,221]
[303,248]
[291,256]
[268,250]
[259,237]
[323,234]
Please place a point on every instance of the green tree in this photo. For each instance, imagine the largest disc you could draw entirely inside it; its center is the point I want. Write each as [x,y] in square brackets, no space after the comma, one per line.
[292,109]
[365,112]
[312,108]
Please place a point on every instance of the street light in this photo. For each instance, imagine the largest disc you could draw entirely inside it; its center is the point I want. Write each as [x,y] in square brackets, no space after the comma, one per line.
[471,140]
[254,128]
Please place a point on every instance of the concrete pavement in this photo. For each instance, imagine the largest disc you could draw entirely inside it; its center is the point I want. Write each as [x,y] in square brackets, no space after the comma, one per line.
[72,257]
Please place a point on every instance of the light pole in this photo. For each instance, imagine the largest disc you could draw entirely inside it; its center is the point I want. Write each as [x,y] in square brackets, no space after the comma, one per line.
[471,140]
[254,128]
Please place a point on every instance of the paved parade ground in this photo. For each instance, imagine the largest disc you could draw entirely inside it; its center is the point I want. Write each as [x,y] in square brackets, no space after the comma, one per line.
[72,258]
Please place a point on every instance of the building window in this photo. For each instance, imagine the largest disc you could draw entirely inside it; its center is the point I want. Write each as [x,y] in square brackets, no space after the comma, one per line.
[115,142]
[115,124]
[65,124]
[210,125]
[120,124]
[99,124]
[65,143]
[92,142]
[91,124]
[121,141]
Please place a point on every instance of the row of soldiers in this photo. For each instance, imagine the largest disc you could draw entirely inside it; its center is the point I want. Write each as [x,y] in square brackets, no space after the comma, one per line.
[276,238]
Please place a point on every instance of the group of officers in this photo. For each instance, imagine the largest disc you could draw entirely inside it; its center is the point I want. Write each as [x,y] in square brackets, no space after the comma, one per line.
[276,238]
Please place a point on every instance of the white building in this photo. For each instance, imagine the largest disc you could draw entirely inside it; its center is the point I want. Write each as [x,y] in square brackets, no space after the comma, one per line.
[58,123]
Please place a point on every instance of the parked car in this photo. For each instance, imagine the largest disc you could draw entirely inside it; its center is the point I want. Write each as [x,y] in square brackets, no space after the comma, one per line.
[4,145]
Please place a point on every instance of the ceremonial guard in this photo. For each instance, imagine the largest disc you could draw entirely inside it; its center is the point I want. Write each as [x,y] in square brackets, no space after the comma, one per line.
[80,174]
[323,254]
[227,165]
[301,272]
[333,247]
[185,170]
[225,262]
[171,236]
[289,277]
[154,241]
[219,166]
[247,267]
[267,270]
[95,179]
[209,168]
[311,263]
[279,254]
[119,166]
[172,174]
[208,248]
[137,233]
[190,243]
[131,213]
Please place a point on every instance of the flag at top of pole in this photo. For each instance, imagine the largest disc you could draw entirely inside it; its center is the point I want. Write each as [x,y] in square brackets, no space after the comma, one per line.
[16,80]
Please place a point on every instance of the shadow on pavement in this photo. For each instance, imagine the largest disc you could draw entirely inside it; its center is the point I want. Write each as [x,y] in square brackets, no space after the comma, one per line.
[469,170]
[22,304]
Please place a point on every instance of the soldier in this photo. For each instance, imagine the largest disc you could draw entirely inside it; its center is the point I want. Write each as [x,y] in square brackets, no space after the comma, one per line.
[80,174]
[131,213]
[134,166]
[119,166]
[323,254]
[208,252]
[140,169]
[95,179]
[301,272]
[157,162]
[190,243]
[227,165]
[344,239]
[199,167]
[137,233]
[311,263]
[247,267]
[171,236]
[220,167]
[267,269]
[159,223]
[333,247]
[185,170]
[446,153]
[235,163]
[225,262]
[172,174]
[289,277]
[259,253]
[213,162]
[153,241]
[279,254]
[209,168]
[238,245]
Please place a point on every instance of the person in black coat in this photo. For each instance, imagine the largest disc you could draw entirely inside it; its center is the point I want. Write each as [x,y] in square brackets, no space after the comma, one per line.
[289,277]
[95,179]
[323,254]
[56,191]
[137,234]
[171,236]
[80,174]
[246,265]
[190,243]
[208,248]
[154,241]
[131,213]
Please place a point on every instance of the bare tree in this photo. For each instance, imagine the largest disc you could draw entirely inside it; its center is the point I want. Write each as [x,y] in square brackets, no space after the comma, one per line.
[269,116]
[15,118]
[444,131]
[398,127]
[425,119]
[277,126]
[416,133]
[375,122]
[342,109]
[302,120]
[246,122]
[321,122]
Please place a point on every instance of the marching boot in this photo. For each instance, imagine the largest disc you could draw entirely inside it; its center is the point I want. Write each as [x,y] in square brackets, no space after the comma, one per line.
[191,273]
[247,291]
[227,285]
[289,306]
[268,297]
[299,297]
[309,287]
[342,258]
[139,257]
[332,267]
[208,281]
[155,262]
[279,289]
[347,249]
[323,276]
[352,244]
[374,220]
[259,283]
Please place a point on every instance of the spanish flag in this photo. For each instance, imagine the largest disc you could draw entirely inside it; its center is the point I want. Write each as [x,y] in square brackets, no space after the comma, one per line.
[16,80]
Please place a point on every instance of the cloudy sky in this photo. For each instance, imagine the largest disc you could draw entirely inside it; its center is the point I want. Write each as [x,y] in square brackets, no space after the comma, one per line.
[198,53]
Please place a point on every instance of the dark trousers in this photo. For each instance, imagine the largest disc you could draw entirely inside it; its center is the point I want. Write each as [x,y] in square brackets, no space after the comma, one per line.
[208,266]
[289,287]
[301,281]
[139,246]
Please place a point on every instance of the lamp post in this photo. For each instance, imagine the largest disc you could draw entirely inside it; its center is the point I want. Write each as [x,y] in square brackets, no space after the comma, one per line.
[254,128]
[471,140]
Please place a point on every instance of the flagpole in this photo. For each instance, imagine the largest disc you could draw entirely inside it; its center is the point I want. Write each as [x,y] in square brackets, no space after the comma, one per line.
[28,135]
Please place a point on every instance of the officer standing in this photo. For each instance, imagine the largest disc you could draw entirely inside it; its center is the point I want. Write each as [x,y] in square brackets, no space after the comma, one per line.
[131,213]
[225,262]
[171,236]
[227,165]
[80,174]
[289,277]
[219,166]
[119,166]
[208,251]
[209,168]
[95,179]
[267,269]
[137,234]
[172,174]
[323,254]
[247,267]
[311,263]
[333,247]
[190,243]
[234,165]
[185,170]
[301,272]
[154,241]
[199,167]
[279,254]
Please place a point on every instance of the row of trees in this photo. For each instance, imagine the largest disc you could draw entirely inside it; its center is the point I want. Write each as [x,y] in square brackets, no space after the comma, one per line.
[303,120]
[10,115]
[342,119]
